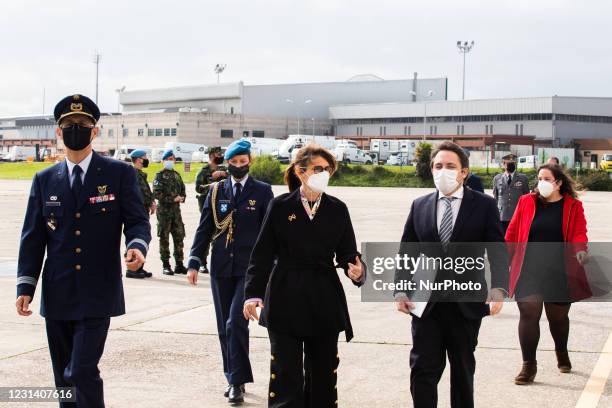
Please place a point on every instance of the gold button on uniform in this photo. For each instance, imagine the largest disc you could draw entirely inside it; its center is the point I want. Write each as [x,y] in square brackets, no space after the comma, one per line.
[77,215]
[272,358]
[335,371]
[78,250]
[77,233]
[273,376]
[103,209]
[272,395]
[78,267]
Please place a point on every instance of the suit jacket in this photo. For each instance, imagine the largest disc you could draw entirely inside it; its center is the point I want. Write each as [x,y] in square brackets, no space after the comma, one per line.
[82,272]
[474,182]
[292,267]
[507,196]
[231,258]
[477,222]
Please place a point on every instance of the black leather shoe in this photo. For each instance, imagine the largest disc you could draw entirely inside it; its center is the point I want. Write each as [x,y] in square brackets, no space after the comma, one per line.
[236,394]
[146,274]
[180,269]
[139,274]
[167,270]
[226,393]
[203,269]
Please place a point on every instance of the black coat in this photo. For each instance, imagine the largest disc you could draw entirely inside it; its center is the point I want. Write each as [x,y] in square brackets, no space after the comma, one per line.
[292,267]
[477,222]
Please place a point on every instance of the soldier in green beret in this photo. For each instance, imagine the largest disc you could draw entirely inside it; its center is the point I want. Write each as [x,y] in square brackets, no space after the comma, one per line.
[169,190]
[210,173]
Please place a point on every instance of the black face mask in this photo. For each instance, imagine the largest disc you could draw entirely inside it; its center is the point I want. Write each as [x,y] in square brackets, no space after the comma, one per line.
[76,137]
[145,163]
[238,172]
[218,160]
[511,167]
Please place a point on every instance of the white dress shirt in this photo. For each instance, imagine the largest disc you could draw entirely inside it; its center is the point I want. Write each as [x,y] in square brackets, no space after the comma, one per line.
[84,165]
[241,182]
[455,205]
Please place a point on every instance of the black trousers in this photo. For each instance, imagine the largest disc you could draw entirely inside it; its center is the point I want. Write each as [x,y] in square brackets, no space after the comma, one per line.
[303,371]
[76,347]
[504,225]
[444,330]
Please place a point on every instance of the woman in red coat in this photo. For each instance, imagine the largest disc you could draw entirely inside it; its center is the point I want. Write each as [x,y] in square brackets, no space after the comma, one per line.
[545,274]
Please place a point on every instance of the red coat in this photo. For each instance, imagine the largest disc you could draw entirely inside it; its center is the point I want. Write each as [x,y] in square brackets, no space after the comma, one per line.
[574,232]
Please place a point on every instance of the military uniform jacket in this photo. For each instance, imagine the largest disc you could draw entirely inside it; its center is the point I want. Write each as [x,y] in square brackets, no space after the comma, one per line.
[507,196]
[145,189]
[292,267]
[167,185]
[82,272]
[231,258]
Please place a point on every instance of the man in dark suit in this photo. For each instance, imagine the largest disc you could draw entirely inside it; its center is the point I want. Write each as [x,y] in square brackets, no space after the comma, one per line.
[451,222]
[232,216]
[76,211]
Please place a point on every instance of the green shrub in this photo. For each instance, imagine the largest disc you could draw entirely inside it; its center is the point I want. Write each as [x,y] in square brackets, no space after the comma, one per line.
[423,167]
[595,181]
[266,169]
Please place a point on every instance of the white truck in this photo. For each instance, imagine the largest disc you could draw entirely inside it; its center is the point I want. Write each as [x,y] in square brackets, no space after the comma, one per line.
[184,151]
[264,145]
[20,153]
[293,142]
[566,157]
[123,153]
[350,153]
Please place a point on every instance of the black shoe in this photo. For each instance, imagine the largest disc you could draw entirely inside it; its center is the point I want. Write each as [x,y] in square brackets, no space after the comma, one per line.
[146,274]
[139,274]
[203,269]
[167,269]
[180,269]
[226,393]
[236,394]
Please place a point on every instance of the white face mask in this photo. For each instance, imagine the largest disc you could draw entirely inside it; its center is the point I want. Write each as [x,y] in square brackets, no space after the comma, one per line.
[318,181]
[445,180]
[168,164]
[545,188]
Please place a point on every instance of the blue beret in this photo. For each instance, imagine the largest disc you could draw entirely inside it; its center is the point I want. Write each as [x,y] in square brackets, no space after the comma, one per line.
[241,146]
[167,153]
[137,153]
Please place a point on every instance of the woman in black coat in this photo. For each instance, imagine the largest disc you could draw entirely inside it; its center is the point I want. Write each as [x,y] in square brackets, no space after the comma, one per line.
[292,277]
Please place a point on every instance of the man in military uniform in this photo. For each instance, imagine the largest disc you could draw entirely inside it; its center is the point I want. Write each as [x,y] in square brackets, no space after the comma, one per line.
[140,161]
[169,190]
[507,189]
[75,212]
[211,172]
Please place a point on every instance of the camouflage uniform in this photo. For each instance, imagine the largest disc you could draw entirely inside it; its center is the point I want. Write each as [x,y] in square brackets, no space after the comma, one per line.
[167,185]
[147,194]
[203,181]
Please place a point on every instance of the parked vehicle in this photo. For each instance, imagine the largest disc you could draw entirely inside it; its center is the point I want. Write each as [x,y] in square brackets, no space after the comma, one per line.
[606,162]
[123,153]
[264,145]
[20,153]
[527,162]
[400,159]
[293,142]
[349,153]
[184,151]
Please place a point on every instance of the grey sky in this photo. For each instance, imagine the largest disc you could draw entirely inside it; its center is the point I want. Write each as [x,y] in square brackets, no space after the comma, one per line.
[523,48]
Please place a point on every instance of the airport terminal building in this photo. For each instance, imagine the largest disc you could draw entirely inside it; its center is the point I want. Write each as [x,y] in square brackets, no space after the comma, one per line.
[554,121]
[219,113]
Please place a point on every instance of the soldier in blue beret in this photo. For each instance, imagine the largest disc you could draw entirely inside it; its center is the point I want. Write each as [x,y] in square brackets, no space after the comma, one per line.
[75,213]
[232,215]
[141,161]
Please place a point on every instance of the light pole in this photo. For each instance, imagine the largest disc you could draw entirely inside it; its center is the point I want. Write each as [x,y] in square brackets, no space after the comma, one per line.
[96,60]
[429,94]
[219,68]
[119,91]
[464,48]
[313,127]
[306,102]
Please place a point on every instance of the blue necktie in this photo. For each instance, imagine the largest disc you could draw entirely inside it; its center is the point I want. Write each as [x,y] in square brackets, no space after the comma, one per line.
[238,191]
[77,183]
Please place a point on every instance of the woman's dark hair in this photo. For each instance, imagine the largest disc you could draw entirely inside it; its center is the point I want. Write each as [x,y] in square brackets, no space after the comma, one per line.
[455,148]
[568,186]
[302,159]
